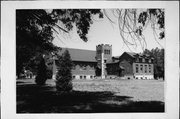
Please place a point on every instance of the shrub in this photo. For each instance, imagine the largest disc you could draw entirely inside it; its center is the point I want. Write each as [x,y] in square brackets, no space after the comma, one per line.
[64,75]
[41,73]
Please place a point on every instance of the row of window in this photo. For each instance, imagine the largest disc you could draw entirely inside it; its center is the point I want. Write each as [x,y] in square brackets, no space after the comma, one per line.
[84,77]
[139,68]
[105,51]
[143,60]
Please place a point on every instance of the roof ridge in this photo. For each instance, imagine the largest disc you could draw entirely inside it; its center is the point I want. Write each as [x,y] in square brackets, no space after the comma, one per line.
[77,49]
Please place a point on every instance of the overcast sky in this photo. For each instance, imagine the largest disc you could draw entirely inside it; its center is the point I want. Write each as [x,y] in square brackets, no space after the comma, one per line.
[103,31]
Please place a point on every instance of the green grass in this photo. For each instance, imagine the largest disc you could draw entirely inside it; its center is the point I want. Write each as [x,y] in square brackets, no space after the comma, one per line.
[92,97]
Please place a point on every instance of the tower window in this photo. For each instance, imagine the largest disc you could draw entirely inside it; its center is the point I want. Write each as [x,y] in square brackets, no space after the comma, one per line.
[109,52]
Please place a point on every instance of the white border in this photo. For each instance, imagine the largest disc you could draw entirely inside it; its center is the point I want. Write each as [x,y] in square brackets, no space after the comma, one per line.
[8,92]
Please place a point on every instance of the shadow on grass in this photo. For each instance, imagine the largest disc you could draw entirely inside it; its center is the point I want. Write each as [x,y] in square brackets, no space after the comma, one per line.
[34,99]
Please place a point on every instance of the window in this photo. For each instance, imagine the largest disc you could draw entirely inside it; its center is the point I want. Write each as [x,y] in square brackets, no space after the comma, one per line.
[149,60]
[141,68]
[140,60]
[137,60]
[105,51]
[149,68]
[91,77]
[99,52]
[84,77]
[74,77]
[137,68]
[145,70]
[143,60]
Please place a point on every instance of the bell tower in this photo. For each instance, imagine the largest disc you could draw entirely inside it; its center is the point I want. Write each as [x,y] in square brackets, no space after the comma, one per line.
[103,55]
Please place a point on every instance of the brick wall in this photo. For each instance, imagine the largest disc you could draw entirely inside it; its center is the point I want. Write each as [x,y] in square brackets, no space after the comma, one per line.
[85,68]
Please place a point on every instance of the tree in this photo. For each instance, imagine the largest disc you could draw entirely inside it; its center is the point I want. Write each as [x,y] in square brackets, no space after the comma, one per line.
[158,55]
[64,76]
[132,23]
[34,31]
[41,73]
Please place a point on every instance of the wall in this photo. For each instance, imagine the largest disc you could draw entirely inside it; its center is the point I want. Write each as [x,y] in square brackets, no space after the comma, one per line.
[143,74]
[84,70]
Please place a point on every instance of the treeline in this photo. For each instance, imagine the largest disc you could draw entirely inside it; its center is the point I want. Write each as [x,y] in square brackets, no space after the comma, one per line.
[158,55]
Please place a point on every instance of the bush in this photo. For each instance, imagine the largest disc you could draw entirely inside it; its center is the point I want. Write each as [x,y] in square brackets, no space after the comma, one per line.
[64,75]
[41,73]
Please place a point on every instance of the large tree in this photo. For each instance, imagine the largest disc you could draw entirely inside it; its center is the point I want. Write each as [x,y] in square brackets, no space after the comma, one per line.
[34,30]
[158,55]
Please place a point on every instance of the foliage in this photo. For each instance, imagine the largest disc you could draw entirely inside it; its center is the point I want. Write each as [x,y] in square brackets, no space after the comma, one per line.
[133,22]
[41,73]
[158,55]
[64,76]
[34,30]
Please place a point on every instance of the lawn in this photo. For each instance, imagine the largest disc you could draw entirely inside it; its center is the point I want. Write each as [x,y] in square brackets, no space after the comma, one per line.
[92,96]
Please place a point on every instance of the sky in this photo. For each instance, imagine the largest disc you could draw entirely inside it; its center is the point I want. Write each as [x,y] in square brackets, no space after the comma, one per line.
[102,31]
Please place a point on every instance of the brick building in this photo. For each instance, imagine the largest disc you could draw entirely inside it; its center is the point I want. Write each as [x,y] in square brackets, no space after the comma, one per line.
[89,64]
[136,66]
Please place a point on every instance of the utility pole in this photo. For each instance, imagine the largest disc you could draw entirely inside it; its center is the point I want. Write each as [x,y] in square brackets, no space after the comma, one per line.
[102,63]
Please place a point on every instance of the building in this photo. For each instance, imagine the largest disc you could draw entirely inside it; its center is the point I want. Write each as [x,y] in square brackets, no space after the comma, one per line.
[136,66]
[89,64]
[84,63]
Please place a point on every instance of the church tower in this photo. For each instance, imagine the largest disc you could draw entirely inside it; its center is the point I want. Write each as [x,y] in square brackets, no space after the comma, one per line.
[103,55]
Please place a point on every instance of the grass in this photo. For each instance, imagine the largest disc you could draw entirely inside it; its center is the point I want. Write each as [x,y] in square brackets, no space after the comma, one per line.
[98,96]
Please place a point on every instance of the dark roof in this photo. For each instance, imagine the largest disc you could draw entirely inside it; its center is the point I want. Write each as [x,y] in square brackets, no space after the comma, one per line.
[132,54]
[112,61]
[81,55]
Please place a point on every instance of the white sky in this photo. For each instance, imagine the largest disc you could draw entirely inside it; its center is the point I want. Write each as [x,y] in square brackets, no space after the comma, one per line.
[102,31]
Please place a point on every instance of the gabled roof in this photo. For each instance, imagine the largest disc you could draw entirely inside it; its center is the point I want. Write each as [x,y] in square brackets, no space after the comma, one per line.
[134,55]
[81,55]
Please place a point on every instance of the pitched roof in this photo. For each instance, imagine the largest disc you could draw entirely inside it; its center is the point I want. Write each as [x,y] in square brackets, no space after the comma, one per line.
[132,54]
[81,55]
